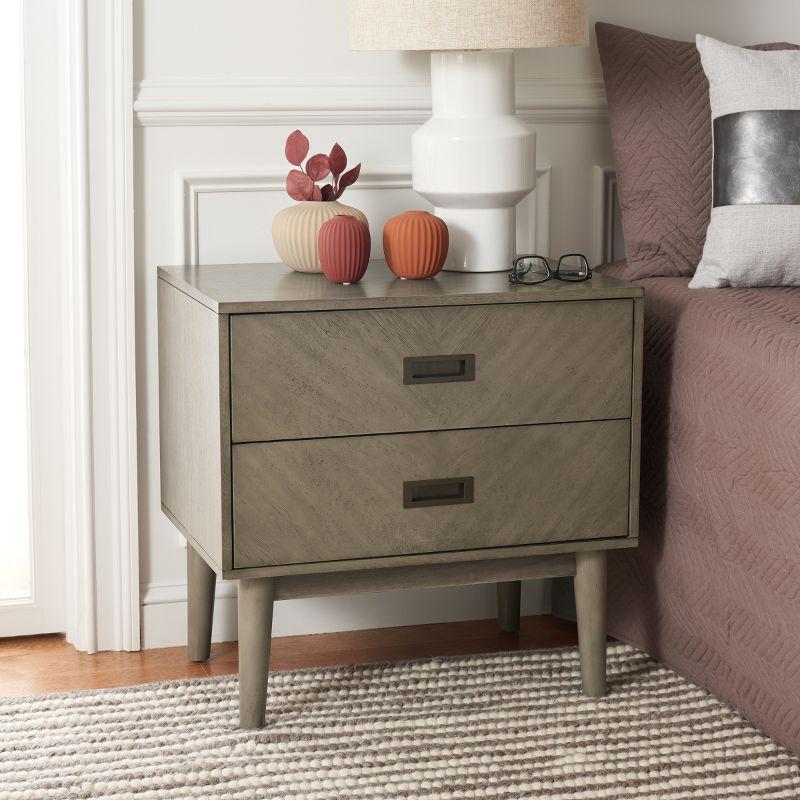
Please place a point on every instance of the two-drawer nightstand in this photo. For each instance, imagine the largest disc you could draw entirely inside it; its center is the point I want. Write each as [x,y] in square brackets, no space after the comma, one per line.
[319,439]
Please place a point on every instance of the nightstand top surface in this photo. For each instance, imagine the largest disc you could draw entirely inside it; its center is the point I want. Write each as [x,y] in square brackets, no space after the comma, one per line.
[258,288]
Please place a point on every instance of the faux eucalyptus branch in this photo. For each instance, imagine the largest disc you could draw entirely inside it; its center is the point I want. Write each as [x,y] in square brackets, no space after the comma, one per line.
[301,183]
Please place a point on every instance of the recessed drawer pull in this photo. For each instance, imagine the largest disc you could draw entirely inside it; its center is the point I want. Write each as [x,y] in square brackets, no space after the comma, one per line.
[439,369]
[439,492]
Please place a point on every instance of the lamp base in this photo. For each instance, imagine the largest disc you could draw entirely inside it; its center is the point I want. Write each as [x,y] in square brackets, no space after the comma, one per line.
[474,160]
[481,239]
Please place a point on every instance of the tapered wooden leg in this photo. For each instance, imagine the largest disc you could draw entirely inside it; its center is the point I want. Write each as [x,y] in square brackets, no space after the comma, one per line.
[201,584]
[255,632]
[590,607]
[508,598]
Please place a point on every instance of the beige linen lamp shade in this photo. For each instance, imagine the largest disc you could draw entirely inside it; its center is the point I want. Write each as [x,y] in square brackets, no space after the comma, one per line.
[466,24]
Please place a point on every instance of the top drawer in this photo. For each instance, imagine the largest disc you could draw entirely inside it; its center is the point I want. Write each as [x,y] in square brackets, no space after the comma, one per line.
[340,373]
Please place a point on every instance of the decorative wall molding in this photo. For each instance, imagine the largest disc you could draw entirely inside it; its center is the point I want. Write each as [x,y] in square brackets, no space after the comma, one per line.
[121,333]
[101,528]
[342,101]
[605,219]
[191,185]
[164,604]
[539,204]
[533,212]
[80,544]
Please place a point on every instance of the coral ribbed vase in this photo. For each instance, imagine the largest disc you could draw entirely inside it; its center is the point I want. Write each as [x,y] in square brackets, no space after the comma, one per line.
[415,244]
[344,244]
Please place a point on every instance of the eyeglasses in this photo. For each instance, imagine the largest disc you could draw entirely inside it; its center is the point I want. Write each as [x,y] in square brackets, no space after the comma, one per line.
[572,267]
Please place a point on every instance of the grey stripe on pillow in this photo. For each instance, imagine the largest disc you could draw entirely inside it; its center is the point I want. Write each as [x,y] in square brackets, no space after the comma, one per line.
[757,158]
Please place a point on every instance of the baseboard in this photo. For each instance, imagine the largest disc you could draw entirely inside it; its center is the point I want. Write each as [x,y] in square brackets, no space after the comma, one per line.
[164,610]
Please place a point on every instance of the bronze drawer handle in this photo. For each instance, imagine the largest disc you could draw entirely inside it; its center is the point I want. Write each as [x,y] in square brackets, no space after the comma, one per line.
[438,492]
[438,369]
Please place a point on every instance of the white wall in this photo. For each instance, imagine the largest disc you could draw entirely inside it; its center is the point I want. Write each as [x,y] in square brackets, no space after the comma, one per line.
[220,83]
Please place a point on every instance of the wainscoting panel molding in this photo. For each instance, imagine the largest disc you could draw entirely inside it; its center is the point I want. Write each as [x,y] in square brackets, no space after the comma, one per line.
[346,101]
[607,242]
[225,215]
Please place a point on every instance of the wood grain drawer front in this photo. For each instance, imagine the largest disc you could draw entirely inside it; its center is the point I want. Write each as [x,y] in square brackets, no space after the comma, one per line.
[337,373]
[331,499]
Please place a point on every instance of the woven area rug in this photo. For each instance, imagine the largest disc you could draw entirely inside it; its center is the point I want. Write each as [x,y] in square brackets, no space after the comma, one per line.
[512,725]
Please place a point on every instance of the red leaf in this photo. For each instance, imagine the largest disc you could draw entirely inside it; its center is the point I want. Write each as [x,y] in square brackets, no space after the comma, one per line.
[327,192]
[317,167]
[348,179]
[316,194]
[337,160]
[296,148]
[299,186]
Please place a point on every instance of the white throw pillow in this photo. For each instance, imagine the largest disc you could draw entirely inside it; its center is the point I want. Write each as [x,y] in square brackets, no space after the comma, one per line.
[754,235]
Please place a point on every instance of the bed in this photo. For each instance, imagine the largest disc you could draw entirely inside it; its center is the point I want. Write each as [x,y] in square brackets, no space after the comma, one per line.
[713,591]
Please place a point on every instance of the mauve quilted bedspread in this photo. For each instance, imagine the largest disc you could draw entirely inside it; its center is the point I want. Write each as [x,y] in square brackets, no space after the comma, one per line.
[713,590]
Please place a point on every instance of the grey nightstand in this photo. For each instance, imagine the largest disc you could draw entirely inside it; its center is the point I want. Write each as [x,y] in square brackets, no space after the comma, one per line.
[320,439]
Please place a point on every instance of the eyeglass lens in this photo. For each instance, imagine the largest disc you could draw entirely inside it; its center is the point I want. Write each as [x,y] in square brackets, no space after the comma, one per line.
[531,270]
[573,268]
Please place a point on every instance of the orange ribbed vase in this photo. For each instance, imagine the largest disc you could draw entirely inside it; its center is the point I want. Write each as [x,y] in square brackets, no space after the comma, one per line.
[343,244]
[415,244]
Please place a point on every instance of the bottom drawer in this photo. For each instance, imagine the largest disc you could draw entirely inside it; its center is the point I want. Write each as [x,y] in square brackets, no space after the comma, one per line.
[366,496]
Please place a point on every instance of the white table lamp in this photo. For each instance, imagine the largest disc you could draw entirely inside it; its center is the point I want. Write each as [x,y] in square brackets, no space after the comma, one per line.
[473,160]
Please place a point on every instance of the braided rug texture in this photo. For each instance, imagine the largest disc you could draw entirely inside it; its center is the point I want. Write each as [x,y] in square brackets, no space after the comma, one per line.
[511,725]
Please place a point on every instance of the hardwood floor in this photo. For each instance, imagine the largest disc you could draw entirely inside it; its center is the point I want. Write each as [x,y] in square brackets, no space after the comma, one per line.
[31,665]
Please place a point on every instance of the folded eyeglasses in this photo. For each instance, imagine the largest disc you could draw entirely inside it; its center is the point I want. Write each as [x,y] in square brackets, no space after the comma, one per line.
[531,269]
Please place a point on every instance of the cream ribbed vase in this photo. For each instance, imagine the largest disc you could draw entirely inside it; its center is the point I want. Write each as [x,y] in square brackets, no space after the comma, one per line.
[295,230]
